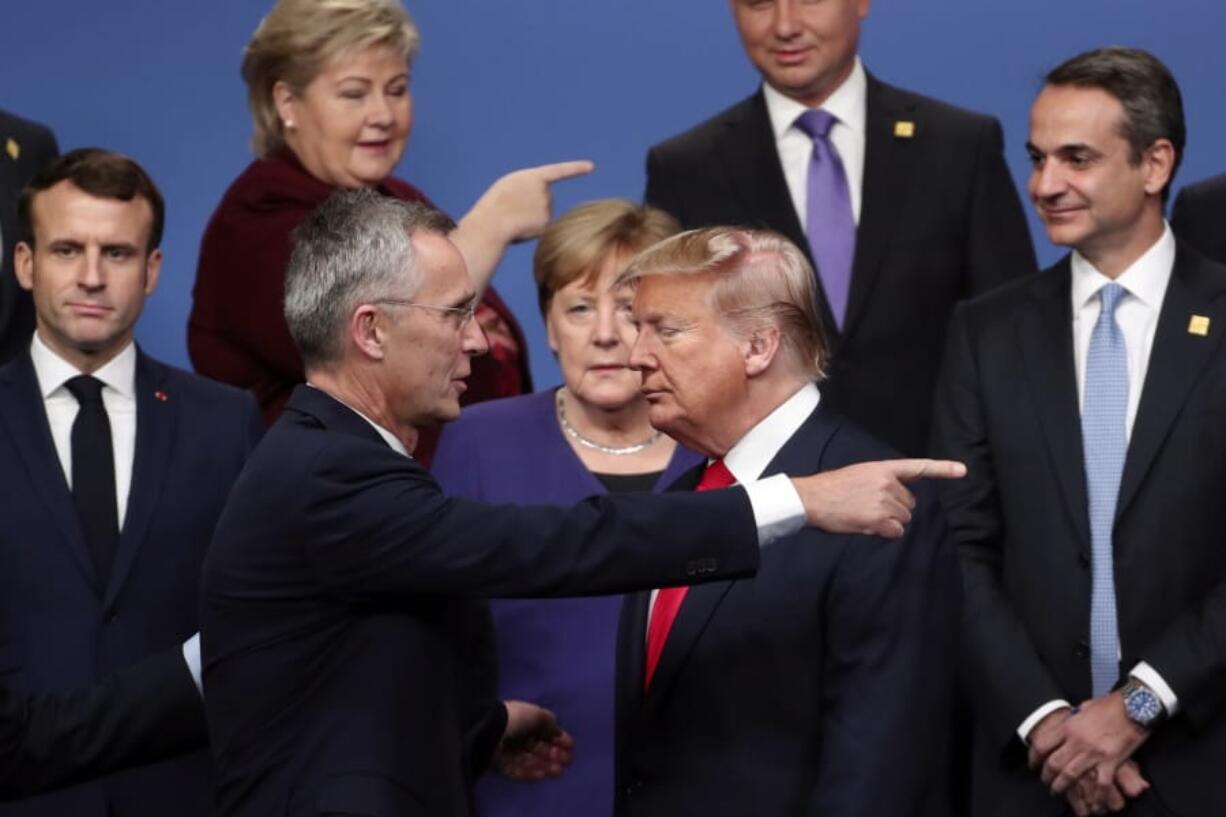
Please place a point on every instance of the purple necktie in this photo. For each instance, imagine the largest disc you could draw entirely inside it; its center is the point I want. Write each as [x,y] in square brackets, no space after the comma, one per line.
[831,229]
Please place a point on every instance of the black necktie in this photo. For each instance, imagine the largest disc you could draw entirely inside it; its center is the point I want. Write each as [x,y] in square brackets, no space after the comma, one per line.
[93,474]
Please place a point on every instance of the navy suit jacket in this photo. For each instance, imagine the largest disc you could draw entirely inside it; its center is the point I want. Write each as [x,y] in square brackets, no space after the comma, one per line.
[818,687]
[59,626]
[1008,408]
[940,221]
[337,612]
[33,146]
[1199,216]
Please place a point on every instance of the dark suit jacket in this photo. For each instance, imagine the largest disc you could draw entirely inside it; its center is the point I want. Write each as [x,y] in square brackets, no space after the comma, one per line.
[940,220]
[146,712]
[1008,408]
[1199,216]
[34,145]
[334,618]
[818,687]
[60,627]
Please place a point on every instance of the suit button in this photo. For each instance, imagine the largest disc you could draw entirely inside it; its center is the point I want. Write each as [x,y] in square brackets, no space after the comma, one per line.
[692,568]
[1083,649]
[633,786]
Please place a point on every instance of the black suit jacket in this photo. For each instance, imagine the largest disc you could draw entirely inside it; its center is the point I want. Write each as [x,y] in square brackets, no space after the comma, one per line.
[335,629]
[1007,406]
[1199,216]
[940,220]
[61,626]
[146,712]
[819,686]
[25,147]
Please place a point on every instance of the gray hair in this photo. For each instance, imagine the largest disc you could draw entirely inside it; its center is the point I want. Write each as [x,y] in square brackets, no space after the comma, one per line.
[761,279]
[355,248]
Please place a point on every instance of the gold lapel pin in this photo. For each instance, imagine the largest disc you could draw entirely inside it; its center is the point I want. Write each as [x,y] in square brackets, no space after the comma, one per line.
[904,129]
[1198,325]
[12,148]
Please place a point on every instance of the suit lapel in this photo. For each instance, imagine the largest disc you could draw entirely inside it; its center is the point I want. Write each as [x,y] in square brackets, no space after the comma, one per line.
[888,166]
[156,416]
[1045,334]
[799,455]
[23,414]
[1176,362]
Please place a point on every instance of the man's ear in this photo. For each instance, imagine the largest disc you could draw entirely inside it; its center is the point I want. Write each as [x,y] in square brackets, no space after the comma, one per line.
[23,265]
[760,350]
[367,332]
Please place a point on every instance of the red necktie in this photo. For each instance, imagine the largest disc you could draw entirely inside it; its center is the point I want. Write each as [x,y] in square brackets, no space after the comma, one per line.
[668,599]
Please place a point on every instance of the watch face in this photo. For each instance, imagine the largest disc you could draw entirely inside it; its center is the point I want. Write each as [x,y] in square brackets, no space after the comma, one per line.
[1143,706]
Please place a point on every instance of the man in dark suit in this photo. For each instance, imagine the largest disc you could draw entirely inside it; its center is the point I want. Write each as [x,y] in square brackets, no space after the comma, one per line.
[336,628]
[25,147]
[1199,216]
[143,713]
[115,466]
[820,686]
[903,204]
[1087,402]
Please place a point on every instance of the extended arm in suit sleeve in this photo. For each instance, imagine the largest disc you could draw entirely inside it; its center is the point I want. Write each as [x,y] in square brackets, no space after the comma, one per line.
[998,244]
[891,628]
[390,531]
[147,712]
[1006,675]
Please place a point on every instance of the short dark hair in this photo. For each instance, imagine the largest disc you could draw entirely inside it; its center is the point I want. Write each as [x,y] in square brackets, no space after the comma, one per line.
[100,173]
[1153,106]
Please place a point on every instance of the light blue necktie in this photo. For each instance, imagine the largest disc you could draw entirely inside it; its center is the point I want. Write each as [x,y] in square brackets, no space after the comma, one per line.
[1105,440]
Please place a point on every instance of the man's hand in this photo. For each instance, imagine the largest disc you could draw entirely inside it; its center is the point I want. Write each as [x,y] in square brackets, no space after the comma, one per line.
[533,746]
[869,497]
[1047,735]
[1087,797]
[1097,740]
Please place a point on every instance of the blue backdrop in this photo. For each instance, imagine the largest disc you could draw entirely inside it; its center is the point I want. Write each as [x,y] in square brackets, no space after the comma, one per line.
[501,85]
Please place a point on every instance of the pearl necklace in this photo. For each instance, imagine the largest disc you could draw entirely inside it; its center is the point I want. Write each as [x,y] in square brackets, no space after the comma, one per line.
[574,434]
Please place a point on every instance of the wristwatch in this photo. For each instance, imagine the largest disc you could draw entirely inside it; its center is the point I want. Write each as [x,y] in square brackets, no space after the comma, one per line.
[1142,706]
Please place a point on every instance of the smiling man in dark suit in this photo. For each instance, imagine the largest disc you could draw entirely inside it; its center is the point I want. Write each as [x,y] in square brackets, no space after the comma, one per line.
[821,685]
[114,468]
[902,203]
[1088,404]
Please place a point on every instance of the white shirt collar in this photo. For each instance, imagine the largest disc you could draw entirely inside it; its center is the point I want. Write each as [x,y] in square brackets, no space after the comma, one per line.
[388,437]
[753,452]
[849,103]
[1146,279]
[52,371]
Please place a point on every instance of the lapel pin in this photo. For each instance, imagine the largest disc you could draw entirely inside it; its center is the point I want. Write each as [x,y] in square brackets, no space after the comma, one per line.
[1198,325]
[160,395]
[12,148]
[904,129]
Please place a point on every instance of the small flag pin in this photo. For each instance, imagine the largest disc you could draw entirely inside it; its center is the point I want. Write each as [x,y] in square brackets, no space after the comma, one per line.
[160,395]
[904,129]
[12,148]
[1198,325]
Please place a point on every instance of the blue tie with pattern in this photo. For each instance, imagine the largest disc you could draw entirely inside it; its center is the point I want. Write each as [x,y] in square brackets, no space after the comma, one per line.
[1104,439]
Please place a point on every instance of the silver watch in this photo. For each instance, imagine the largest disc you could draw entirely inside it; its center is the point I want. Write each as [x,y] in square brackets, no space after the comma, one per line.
[1142,704]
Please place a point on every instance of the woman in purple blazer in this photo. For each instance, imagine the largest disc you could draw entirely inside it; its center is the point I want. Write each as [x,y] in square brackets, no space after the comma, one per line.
[589,436]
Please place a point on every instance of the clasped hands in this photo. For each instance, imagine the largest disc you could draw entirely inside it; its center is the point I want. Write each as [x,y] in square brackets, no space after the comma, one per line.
[1085,755]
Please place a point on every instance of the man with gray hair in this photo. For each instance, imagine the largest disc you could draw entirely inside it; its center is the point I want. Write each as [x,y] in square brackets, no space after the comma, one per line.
[820,685]
[336,630]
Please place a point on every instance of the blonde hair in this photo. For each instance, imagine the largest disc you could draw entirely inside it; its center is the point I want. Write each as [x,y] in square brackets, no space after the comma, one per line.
[297,37]
[761,279]
[575,245]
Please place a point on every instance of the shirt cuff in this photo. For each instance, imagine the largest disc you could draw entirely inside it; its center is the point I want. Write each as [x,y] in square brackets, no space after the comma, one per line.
[777,509]
[191,654]
[1149,676]
[1039,714]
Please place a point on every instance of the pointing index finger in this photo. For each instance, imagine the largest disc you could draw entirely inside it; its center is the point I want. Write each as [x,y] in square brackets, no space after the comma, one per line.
[565,170]
[909,470]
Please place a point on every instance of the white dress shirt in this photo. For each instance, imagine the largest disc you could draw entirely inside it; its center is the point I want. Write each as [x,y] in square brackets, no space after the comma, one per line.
[1136,314]
[754,451]
[118,378]
[849,104]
